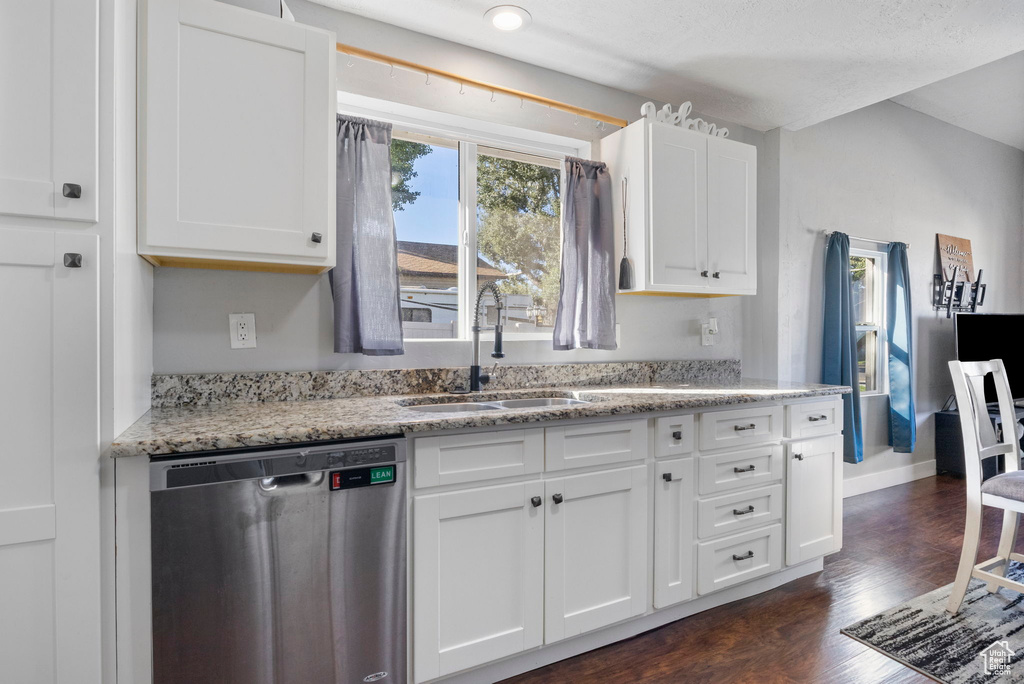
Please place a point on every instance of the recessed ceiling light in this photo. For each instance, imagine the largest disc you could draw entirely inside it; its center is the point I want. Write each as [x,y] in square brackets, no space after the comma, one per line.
[507,17]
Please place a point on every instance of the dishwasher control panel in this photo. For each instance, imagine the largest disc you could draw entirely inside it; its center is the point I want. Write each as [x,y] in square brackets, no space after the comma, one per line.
[362,477]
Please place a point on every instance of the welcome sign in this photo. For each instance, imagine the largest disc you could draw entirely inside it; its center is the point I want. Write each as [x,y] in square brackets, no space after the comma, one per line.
[954,252]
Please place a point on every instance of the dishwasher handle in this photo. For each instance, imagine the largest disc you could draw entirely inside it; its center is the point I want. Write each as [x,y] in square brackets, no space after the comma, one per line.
[269,484]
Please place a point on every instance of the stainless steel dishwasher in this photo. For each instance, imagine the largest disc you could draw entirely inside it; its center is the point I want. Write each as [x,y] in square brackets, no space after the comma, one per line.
[280,566]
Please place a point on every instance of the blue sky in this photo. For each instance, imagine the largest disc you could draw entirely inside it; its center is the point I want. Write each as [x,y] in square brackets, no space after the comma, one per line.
[434,216]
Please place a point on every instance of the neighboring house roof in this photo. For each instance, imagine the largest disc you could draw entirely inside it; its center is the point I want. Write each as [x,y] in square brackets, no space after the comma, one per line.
[431,259]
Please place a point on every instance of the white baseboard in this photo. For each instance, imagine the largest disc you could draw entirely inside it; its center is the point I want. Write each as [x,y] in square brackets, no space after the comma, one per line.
[887,478]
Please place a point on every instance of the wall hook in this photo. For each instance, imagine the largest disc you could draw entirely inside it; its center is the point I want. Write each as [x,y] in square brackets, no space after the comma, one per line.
[521,103]
[392,74]
[427,82]
[576,120]
[350,62]
[492,96]
[462,88]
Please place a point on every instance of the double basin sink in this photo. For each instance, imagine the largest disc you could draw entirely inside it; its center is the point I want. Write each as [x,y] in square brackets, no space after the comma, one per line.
[496,405]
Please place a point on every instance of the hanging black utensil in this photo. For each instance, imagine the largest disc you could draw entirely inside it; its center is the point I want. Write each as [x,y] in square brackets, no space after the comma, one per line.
[625,268]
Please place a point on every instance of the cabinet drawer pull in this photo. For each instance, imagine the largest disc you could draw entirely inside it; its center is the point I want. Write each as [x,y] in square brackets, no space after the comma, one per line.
[557,498]
[536,501]
[667,477]
[72,191]
[798,457]
[703,274]
[745,511]
[747,556]
[748,469]
[716,274]
[815,419]
[677,435]
[741,428]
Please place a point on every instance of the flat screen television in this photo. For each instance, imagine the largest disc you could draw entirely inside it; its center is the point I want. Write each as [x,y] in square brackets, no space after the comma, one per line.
[981,337]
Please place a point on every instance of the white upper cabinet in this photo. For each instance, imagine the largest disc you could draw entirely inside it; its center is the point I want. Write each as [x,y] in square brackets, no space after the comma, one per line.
[48,90]
[691,209]
[237,139]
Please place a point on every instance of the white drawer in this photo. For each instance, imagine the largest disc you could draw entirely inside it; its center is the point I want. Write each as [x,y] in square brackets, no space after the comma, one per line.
[813,419]
[450,459]
[673,436]
[739,469]
[741,557]
[738,511]
[740,427]
[591,444]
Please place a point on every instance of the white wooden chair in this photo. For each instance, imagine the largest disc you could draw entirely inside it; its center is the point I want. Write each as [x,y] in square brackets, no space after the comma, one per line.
[1005,491]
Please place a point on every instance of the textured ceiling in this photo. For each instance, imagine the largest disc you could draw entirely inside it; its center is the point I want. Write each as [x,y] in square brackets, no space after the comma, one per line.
[988,100]
[760,63]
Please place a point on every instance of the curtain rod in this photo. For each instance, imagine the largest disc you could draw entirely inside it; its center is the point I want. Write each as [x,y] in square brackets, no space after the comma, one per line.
[483,85]
[857,237]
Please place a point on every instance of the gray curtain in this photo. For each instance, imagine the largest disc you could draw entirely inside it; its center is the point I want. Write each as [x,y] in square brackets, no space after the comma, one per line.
[586,301]
[367,319]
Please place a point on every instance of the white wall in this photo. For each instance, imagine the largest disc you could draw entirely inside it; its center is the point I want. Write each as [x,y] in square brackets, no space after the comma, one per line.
[293,316]
[890,173]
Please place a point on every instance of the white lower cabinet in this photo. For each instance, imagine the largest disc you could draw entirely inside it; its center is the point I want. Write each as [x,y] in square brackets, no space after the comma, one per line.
[478,576]
[673,531]
[595,550]
[814,507]
[741,557]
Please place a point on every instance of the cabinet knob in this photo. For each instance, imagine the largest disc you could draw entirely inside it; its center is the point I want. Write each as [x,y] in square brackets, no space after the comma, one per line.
[798,457]
[557,498]
[667,477]
[72,190]
[72,260]
[677,435]
[316,237]
[536,501]
[716,274]
[703,274]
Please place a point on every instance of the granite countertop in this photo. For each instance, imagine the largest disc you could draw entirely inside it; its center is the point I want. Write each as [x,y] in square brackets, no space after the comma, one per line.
[184,429]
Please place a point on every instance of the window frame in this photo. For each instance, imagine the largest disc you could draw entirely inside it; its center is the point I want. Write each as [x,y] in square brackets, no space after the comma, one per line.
[882,341]
[470,134]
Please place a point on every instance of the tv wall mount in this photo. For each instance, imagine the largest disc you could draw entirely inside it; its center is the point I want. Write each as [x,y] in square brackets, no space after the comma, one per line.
[957,296]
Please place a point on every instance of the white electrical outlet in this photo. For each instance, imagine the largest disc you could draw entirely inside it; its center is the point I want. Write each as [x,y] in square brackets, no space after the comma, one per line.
[708,332]
[242,328]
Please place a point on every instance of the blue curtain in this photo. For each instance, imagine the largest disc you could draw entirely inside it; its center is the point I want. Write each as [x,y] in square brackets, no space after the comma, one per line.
[839,342]
[902,419]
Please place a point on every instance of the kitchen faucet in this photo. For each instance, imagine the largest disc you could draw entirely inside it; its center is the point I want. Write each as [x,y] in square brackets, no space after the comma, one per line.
[477,379]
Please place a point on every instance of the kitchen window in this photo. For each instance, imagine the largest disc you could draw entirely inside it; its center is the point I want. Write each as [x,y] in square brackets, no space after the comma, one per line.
[458,191]
[867,268]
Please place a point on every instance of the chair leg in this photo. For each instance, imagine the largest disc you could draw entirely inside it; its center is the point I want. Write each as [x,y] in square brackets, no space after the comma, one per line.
[968,556]
[1007,539]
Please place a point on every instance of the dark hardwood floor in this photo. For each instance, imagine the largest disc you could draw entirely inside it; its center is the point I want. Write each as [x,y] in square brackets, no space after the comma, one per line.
[898,543]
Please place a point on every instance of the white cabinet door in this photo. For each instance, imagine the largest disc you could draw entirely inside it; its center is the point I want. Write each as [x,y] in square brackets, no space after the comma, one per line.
[732,216]
[595,550]
[237,139]
[478,576]
[814,508]
[48,91]
[49,457]
[678,218]
[673,531]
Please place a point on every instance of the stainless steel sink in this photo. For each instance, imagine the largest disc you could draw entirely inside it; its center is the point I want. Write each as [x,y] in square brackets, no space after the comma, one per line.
[471,406]
[539,401]
[460,407]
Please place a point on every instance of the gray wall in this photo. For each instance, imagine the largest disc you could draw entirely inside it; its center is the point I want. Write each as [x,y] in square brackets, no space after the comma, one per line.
[293,316]
[890,173]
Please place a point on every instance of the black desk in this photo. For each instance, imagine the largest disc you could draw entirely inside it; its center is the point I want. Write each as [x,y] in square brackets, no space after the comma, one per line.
[949,444]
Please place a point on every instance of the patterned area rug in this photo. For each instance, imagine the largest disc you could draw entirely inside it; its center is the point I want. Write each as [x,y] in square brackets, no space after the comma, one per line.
[982,644]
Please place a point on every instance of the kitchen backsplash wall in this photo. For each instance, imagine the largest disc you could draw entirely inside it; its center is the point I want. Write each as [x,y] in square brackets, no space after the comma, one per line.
[172,390]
